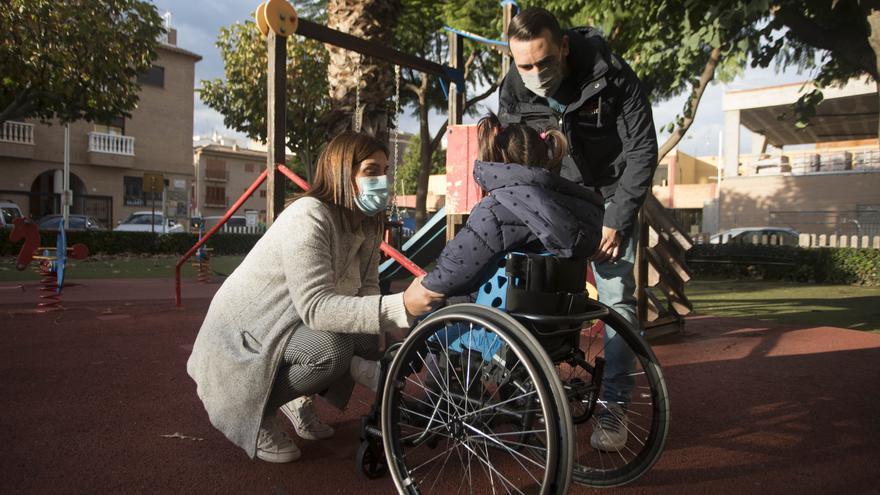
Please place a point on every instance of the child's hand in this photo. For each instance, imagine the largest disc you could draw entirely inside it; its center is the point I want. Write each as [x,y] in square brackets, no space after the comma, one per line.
[417,299]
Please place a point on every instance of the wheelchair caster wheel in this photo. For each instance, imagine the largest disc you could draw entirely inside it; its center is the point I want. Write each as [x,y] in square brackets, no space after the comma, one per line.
[371,461]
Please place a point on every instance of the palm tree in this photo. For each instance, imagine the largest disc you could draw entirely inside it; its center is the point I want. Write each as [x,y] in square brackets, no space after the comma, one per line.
[371,20]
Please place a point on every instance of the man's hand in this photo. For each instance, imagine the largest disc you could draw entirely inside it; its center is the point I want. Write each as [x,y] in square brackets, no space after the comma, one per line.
[417,299]
[609,246]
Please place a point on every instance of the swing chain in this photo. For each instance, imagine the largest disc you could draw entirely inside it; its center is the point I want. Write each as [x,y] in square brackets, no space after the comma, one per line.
[395,213]
[357,121]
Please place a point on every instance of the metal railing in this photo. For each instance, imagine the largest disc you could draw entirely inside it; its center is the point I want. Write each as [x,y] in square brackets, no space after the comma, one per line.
[17,132]
[101,142]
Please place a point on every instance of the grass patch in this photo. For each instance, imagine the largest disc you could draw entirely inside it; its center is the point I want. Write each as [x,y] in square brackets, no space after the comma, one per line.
[121,266]
[845,306]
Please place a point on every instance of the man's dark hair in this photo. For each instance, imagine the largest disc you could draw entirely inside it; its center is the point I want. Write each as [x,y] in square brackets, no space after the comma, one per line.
[531,22]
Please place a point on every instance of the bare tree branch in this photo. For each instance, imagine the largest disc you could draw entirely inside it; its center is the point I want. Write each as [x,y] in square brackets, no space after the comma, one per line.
[438,136]
[693,102]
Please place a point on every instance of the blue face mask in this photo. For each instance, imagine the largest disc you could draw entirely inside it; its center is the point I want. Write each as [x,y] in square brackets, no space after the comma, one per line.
[373,196]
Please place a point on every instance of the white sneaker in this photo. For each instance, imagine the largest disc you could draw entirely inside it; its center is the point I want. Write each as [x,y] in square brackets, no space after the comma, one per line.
[365,372]
[610,432]
[301,412]
[273,445]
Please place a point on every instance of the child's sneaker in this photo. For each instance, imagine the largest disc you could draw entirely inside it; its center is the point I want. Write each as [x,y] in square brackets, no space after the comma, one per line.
[301,412]
[273,445]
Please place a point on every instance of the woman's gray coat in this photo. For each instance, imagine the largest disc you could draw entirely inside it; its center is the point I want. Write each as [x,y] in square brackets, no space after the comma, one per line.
[312,267]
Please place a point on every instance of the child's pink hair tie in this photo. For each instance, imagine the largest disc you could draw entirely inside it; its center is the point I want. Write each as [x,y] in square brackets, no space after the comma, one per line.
[544,136]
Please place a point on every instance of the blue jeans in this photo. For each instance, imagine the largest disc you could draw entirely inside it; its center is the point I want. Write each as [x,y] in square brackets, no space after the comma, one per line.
[616,284]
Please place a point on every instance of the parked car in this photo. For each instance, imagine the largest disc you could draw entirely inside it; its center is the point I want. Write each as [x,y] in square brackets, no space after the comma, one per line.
[74,222]
[9,211]
[745,235]
[141,221]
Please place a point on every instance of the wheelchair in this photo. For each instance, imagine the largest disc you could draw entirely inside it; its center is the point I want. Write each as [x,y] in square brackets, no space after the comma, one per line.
[504,395]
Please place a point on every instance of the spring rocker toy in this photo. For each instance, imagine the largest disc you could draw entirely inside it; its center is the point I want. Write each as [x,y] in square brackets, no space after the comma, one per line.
[51,260]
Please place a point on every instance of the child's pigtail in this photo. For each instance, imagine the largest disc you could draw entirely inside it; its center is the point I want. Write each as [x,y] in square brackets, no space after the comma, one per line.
[488,129]
[557,147]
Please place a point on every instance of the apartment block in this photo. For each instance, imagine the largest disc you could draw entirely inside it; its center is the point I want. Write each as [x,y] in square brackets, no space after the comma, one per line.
[108,160]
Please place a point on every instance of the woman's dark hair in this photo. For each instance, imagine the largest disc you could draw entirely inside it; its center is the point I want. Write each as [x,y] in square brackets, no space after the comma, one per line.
[531,22]
[335,171]
[519,143]
[338,164]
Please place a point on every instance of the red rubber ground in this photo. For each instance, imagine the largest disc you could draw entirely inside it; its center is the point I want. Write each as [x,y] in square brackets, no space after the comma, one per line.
[96,399]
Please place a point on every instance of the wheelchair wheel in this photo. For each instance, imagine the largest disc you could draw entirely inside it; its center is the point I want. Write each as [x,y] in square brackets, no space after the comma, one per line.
[370,460]
[605,402]
[471,405]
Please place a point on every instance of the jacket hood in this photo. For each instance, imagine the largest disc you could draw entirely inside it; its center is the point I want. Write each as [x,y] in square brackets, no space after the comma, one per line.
[564,216]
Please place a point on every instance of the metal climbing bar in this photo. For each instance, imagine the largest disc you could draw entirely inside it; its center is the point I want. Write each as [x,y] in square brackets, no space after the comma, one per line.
[372,49]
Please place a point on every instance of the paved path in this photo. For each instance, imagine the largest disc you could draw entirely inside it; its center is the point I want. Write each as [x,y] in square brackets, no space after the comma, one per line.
[96,400]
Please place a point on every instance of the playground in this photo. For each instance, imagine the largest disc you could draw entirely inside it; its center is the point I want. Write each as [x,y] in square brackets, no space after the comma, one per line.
[725,393]
[97,400]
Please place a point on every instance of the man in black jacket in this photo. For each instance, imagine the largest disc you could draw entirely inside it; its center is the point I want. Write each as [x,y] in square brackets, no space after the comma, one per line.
[571,81]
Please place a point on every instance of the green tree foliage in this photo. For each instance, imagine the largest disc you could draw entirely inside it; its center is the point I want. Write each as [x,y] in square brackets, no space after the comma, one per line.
[674,47]
[421,32]
[75,59]
[407,174]
[241,97]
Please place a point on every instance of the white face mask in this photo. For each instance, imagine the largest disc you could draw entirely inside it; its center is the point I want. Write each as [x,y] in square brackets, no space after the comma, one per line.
[546,81]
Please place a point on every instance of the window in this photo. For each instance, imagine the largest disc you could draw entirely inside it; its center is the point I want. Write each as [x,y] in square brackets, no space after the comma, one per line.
[115,126]
[215,169]
[215,195]
[248,167]
[262,193]
[154,76]
[133,192]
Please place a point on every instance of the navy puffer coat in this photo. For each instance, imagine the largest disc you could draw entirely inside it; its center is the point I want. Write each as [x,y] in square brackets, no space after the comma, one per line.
[527,209]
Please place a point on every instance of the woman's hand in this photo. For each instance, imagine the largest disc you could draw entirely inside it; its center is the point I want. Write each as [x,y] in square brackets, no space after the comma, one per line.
[609,246]
[417,299]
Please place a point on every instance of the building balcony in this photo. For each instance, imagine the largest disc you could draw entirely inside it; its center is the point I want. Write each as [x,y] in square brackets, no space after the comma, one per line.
[17,140]
[111,150]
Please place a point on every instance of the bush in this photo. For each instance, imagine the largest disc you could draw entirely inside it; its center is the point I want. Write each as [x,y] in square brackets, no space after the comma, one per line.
[819,265]
[111,242]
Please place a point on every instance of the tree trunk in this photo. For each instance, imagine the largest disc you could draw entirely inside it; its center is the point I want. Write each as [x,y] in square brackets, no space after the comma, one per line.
[692,105]
[371,20]
[873,19]
[425,155]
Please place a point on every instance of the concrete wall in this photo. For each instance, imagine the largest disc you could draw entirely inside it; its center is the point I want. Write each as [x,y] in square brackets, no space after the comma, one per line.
[748,201]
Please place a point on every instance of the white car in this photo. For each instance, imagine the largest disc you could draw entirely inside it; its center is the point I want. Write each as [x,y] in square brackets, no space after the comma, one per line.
[9,211]
[145,221]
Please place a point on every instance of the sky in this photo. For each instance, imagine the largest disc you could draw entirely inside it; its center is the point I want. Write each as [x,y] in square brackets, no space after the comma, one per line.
[199,21]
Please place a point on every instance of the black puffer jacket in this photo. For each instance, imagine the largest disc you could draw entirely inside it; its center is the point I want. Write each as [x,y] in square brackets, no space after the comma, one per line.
[609,126]
[526,209]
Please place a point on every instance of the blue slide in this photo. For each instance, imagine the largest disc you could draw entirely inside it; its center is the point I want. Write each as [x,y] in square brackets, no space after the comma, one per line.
[423,248]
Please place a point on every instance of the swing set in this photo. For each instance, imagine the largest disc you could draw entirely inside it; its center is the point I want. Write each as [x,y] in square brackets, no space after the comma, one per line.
[277,19]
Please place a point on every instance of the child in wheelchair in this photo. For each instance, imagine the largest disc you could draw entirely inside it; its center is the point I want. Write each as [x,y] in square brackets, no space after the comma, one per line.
[528,208]
[469,377]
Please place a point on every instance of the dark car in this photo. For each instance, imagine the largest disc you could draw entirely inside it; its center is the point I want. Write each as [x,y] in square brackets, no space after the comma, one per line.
[74,222]
[757,235]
